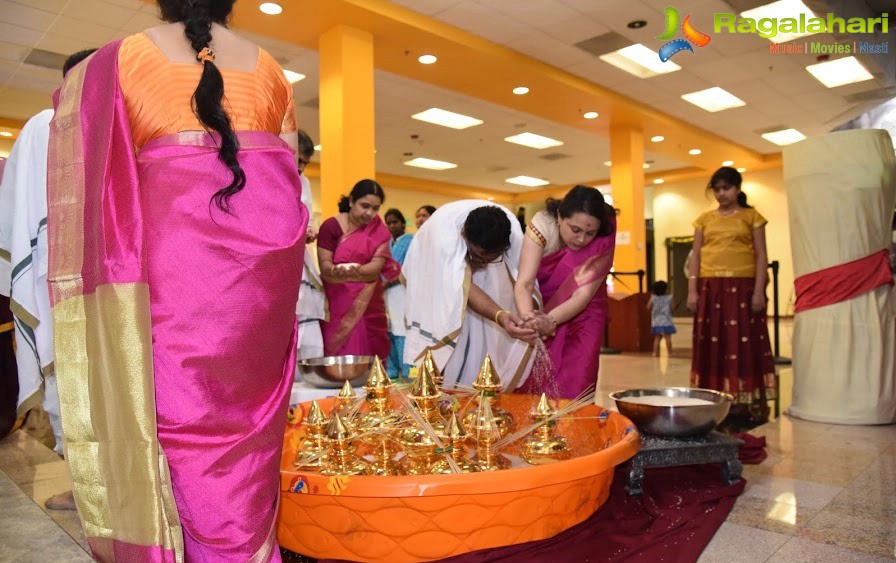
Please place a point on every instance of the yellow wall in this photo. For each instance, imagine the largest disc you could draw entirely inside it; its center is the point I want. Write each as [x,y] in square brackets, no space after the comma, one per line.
[676,205]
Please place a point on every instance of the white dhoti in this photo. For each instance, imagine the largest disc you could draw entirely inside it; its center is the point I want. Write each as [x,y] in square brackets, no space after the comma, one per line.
[312,305]
[841,190]
[438,279]
[23,243]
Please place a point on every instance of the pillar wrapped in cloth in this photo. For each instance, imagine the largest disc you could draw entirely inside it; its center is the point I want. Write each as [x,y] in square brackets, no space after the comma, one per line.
[841,189]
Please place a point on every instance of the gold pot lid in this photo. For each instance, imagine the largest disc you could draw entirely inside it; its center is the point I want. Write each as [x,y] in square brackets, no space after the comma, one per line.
[430,364]
[378,379]
[488,379]
[425,386]
[316,415]
[337,430]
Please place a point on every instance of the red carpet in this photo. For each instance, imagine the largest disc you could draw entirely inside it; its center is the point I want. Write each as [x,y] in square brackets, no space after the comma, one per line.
[680,511]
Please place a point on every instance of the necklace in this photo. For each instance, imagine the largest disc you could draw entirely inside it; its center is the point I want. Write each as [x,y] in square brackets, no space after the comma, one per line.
[735,211]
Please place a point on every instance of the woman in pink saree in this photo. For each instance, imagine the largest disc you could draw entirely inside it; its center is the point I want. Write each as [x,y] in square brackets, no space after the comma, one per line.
[568,249]
[354,257]
[176,244]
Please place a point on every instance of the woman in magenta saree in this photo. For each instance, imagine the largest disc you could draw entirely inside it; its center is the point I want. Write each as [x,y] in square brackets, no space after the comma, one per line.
[569,250]
[174,299]
[354,256]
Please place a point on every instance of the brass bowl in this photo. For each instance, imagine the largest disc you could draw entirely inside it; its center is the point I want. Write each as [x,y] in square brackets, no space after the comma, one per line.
[331,372]
[677,420]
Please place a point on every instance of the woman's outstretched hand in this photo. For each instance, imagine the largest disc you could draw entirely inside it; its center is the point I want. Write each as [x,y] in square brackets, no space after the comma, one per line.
[542,323]
[515,327]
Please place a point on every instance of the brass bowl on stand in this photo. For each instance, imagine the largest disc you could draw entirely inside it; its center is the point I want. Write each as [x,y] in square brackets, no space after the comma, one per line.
[331,372]
[673,420]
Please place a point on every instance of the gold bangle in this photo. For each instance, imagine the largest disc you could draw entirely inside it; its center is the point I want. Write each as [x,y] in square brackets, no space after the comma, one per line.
[498,314]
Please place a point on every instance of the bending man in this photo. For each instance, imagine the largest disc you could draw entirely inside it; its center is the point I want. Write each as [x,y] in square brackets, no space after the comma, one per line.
[460,271]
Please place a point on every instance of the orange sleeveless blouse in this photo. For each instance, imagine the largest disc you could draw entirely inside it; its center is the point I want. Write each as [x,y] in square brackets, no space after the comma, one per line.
[158,93]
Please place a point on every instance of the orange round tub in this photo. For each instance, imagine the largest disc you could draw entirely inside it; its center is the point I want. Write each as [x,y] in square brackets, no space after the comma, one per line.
[421,518]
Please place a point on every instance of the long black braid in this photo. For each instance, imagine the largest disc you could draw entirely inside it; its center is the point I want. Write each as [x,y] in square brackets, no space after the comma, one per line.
[197,17]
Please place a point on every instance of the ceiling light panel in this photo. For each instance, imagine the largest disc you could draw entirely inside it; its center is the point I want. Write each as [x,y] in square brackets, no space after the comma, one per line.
[430,164]
[447,118]
[293,77]
[640,61]
[784,137]
[778,10]
[713,99]
[527,181]
[839,72]
[533,140]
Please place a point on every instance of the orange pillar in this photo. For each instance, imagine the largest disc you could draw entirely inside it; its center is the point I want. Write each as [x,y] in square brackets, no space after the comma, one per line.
[346,113]
[627,184]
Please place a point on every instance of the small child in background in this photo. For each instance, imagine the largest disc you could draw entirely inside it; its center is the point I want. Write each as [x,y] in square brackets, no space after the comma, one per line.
[661,325]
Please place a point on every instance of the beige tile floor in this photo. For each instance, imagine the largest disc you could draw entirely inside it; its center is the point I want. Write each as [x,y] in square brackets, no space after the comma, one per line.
[826,493]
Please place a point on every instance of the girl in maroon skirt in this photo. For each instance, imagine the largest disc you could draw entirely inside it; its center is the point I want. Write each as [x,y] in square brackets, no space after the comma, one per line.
[727,275]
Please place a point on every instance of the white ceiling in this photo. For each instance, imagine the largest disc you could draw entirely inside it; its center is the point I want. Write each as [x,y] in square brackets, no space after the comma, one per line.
[778,90]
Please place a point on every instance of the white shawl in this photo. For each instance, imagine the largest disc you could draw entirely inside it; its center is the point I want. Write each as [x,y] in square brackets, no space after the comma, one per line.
[312,305]
[23,242]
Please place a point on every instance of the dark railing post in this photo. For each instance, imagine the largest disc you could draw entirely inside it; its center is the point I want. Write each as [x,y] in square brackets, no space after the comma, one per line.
[779,360]
[641,274]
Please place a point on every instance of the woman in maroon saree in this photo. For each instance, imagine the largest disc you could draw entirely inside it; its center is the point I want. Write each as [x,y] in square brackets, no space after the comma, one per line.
[353,253]
[568,250]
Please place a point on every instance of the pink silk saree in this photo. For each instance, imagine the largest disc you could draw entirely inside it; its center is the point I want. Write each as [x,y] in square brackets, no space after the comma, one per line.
[575,347]
[174,327]
[357,324]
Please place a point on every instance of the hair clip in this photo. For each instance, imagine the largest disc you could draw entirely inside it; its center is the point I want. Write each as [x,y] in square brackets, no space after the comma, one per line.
[206,55]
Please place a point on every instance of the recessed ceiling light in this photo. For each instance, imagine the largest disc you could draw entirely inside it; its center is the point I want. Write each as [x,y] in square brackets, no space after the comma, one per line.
[527,181]
[293,77]
[429,163]
[727,162]
[533,140]
[741,169]
[608,163]
[694,152]
[713,99]
[639,60]
[781,9]
[427,59]
[270,8]
[520,90]
[784,136]
[317,148]
[447,118]
[839,72]
[636,24]
[645,166]
[590,115]
[5,134]
[658,181]
[657,138]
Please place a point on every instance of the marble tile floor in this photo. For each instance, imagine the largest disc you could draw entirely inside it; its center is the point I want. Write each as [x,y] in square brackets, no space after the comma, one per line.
[826,493]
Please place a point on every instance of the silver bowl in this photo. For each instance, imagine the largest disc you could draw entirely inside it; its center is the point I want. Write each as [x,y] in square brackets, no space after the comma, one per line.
[331,372]
[677,420]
